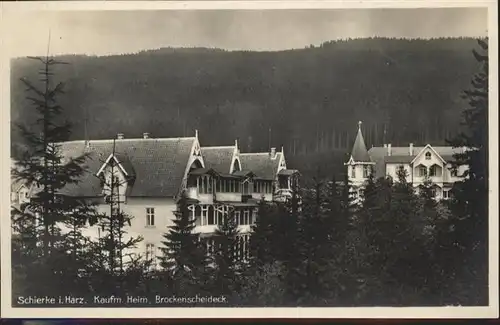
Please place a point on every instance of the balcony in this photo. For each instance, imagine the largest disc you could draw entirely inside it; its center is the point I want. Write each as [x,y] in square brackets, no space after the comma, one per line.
[210,229]
[194,194]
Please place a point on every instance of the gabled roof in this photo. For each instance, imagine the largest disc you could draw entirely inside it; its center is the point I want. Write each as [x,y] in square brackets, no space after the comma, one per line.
[261,164]
[359,152]
[432,149]
[158,164]
[401,155]
[218,158]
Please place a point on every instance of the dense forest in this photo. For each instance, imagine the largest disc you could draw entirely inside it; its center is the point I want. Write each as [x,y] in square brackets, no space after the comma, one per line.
[308,100]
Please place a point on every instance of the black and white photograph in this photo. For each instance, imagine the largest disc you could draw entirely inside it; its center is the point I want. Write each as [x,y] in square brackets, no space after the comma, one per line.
[249,158]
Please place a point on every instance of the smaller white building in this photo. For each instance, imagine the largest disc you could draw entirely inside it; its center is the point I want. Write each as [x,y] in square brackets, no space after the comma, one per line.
[421,164]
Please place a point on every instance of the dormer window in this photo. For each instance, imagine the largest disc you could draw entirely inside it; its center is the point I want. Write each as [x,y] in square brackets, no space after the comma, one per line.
[427,156]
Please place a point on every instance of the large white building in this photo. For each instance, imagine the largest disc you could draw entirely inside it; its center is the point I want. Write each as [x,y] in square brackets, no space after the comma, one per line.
[420,163]
[153,172]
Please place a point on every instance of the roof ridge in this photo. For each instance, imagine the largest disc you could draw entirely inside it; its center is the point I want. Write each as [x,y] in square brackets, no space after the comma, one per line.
[256,153]
[126,139]
[218,147]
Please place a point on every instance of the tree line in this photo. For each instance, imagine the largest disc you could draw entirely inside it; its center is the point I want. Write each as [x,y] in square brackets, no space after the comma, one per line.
[308,100]
[395,247]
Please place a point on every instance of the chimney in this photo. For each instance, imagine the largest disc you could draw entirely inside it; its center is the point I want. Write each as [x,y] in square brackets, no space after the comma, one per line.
[120,136]
[145,135]
[411,149]
[389,151]
[273,153]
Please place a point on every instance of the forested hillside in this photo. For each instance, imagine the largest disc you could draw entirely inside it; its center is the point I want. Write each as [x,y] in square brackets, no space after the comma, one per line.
[308,100]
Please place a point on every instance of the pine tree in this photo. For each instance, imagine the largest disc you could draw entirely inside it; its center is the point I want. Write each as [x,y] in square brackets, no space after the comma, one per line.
[184,256]
[228,257]
[261,238]
[43,167]
[470,196]
[287,235]
[369,213]
[114,258]
[312,243]
[339,209]
[403,244]
[434,216]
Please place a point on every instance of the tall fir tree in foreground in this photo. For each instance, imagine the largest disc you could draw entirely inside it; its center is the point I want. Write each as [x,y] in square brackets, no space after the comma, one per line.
[470,197]
[40,251]
[262,239]
[113,257]
[263,280]
[288,242]
[228,257]
[184,257]
[339,212]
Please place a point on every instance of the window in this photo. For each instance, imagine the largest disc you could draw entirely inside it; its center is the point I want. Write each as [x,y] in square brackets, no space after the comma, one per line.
[150,217]
[210,246]
[435,170]
[454,172]
[151,253]
[353,172]
[197,215]
[422,171]
[246,250]
[427,156]
[237,216]
[366,170]
[246,217]
[209,185]
[207,218]
[446,194]
[242,251]
[220,218]
[205,185]
[115,212]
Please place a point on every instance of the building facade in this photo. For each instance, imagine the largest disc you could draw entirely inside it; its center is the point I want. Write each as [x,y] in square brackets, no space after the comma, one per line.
[432,163]
[152,173]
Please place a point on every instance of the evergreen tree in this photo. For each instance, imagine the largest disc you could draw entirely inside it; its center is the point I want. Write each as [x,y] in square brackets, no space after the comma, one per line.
[339,208]
[228,257]
[184,256]
[313,244]
[374,202]
[434,216]
[403,246]
[261,238]
[266,287]
[113,249]
[470,197]
[41,166]
[287,234]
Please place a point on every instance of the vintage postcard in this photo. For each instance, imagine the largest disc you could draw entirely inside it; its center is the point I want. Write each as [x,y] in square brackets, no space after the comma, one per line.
[292,159]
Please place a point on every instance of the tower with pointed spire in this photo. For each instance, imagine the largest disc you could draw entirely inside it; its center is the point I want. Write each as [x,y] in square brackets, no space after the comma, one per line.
[360,163]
